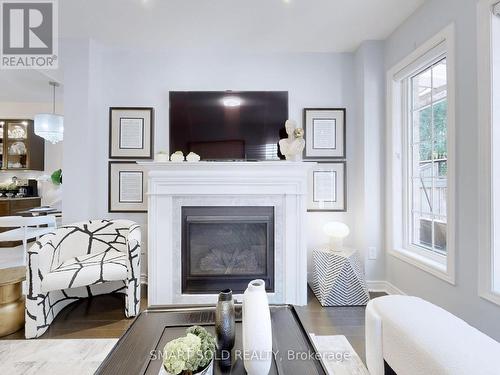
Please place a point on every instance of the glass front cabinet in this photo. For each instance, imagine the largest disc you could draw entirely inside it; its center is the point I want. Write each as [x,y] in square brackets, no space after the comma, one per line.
[21,149]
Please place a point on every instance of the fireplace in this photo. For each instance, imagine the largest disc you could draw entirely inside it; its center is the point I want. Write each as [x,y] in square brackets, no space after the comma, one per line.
[225,247]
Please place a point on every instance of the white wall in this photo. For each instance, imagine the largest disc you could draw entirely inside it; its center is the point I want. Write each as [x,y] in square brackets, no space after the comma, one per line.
[462,298]
[97,78]
[53,153]
[368,190]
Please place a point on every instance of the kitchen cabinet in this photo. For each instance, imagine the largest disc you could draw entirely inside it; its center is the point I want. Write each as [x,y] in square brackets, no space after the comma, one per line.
[21,148]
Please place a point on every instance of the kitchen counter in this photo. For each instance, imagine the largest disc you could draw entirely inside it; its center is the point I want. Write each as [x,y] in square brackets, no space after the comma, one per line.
[17,198]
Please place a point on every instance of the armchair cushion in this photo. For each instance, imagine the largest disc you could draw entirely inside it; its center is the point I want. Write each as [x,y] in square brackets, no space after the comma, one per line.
[90,269]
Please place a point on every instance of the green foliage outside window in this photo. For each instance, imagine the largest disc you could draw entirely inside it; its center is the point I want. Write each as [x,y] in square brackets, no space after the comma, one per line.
[439,149]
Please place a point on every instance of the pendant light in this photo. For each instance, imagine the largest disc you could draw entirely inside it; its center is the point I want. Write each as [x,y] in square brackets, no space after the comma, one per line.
[50,126]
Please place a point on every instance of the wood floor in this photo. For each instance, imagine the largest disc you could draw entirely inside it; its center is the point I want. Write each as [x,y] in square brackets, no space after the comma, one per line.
[103,317]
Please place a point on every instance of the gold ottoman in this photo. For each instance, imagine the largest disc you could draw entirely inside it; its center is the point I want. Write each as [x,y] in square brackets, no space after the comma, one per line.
[11,300]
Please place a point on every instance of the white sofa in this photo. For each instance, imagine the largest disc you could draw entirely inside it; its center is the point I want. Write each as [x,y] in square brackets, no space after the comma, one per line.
[82,260]
[416,337]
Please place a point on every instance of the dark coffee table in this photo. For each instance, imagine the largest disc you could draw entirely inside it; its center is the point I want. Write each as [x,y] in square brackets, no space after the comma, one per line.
[138,350]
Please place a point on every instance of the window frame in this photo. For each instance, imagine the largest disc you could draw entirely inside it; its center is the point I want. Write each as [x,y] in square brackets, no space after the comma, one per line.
[489,191]
[441,45]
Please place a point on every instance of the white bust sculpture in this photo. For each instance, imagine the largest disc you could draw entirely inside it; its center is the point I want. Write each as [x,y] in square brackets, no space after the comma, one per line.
[292,146]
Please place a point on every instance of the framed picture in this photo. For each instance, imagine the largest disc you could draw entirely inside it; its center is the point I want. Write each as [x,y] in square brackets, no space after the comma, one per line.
[328,187]
[127,185]
[324,130]
[131,133]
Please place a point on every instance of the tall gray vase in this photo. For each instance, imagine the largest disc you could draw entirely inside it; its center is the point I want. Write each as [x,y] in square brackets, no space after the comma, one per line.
[225,320]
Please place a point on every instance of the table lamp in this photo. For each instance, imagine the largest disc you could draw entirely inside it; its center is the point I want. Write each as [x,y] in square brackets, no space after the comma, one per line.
[337,231]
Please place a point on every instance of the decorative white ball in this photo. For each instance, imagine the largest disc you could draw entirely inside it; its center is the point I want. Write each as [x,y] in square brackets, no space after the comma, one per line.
[192,157]
[177,156]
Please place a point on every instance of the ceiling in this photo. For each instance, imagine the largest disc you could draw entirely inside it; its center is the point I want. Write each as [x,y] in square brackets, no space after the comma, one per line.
[215,25]
[26,86]
[246,25]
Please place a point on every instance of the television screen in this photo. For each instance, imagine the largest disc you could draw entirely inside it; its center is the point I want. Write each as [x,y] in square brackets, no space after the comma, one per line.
[228,125]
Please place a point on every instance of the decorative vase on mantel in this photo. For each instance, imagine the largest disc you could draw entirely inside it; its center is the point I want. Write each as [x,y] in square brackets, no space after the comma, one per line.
[225,321]
[257,331]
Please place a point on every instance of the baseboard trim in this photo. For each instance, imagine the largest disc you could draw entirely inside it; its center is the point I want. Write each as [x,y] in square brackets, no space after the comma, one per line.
[373,286]
[384,286]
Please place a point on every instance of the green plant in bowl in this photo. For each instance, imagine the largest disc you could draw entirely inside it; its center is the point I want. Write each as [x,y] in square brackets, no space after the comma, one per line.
[191,354]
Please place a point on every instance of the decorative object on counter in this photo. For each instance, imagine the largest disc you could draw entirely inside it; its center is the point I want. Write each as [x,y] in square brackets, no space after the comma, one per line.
[338,278]
[162,157]
[177,157]
[131,131]
[328,187]
[127,185]
[325,133]
[50,126]
[293,146]
[56,177]
[193,157]
[225,321]
[257,331]
[192,354]
[337,231]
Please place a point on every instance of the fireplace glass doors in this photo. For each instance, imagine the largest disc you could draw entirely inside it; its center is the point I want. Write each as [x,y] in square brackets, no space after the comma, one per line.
[226,248]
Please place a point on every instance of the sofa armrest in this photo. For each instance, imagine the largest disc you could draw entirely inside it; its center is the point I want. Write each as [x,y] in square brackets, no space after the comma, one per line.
[374,342]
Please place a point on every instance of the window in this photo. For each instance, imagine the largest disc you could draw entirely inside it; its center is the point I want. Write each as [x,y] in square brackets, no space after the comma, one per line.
[489,167]
[421,159]
[428,157]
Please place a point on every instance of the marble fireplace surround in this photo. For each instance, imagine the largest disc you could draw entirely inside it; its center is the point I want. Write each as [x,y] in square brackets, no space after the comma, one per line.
[171,186]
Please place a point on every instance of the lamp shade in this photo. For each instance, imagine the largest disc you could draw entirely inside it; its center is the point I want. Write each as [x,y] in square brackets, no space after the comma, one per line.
[336,229]
[50,127]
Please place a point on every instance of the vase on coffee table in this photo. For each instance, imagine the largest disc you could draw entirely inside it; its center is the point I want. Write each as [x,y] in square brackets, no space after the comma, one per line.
[257,333]
[225,321]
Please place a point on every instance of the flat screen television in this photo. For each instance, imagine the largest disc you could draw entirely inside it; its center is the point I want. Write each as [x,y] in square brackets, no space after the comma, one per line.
[228,125]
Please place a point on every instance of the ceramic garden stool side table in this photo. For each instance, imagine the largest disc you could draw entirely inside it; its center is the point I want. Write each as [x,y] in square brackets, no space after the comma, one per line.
[338,278]
[11,300]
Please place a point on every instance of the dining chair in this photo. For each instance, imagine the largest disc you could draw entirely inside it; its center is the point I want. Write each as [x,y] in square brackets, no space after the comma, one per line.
[22,228]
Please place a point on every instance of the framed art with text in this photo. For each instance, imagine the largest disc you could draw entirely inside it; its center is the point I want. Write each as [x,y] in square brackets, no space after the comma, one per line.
[126,187]
[325,133]
[131,133]
[328,187]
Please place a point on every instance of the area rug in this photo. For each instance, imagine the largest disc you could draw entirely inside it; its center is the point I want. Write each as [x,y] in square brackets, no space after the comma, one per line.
[338,356]
[53,357]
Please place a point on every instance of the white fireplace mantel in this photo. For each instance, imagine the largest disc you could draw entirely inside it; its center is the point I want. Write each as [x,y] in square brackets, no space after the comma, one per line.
[171,186]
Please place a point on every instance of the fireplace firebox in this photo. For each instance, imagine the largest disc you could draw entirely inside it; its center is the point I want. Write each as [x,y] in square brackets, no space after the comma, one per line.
[226,248]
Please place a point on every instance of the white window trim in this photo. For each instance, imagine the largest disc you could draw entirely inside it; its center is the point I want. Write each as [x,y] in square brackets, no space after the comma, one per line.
[442,267]
[487,216]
